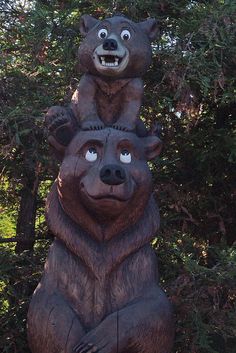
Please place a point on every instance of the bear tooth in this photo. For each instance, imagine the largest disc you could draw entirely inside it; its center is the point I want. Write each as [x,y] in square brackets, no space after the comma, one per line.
[103,63]
[116,59]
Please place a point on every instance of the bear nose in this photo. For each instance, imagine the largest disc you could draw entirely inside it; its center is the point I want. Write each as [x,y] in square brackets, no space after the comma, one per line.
[112,174]
[110,44]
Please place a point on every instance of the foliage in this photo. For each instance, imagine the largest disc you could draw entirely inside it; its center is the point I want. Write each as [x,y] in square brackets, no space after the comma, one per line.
[19,276]
[6,224]
[190,89]
[200,281]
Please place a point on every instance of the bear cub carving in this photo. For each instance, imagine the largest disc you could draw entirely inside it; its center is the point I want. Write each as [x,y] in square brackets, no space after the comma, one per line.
[114,55]
[99,291]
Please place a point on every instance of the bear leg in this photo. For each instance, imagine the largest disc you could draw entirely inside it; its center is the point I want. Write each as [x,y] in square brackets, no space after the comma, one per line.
[53,327]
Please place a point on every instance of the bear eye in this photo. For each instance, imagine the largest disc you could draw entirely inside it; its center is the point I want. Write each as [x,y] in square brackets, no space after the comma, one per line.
[91,155]
[102,33]
[125,156]
[125,34]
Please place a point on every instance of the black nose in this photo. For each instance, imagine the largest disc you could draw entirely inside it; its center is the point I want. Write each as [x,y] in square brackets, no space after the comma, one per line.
[110,44]
[112,174]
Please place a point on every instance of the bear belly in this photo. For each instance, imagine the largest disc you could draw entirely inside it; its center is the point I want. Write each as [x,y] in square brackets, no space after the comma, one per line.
[94,296]
[108,107]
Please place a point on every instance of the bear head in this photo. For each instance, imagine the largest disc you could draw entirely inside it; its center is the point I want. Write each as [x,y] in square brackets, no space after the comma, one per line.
[104,182]
[116,47]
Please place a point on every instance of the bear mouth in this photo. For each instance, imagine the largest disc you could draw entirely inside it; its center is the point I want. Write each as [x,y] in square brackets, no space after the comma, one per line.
[110,64]
[110,60]
[109,197]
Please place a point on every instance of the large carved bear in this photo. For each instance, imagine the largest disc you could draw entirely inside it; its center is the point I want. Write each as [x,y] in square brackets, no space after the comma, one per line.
[114,55]
[99,291]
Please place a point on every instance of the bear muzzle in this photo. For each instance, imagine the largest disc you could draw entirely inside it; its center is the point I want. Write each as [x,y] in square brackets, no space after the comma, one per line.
[111,57]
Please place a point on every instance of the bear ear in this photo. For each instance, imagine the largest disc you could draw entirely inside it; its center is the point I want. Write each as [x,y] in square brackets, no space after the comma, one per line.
[86,24]
[61,127]
[150,27]
[152,146]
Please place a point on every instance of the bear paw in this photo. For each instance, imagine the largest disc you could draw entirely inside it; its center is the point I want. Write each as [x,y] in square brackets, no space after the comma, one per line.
[102,339]
[58,116]
[61,125]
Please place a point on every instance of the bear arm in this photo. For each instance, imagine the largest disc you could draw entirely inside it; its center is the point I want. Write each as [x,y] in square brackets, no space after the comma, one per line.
[84,100]
[131,103]
[143,324]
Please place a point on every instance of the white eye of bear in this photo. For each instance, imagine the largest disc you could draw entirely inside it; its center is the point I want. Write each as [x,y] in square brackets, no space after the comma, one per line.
[91,155]
[125,156]
[102,33]
[125,34]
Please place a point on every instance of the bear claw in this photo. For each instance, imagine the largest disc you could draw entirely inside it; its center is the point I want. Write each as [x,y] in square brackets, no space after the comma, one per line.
[85,348]
[121,127]
[89,127]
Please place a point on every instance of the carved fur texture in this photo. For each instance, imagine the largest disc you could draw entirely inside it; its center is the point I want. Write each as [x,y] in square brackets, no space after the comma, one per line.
[114,54]
[99,291]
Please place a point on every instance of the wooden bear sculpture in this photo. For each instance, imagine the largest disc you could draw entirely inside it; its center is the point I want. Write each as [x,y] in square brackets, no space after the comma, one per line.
[99,291]
[114,55]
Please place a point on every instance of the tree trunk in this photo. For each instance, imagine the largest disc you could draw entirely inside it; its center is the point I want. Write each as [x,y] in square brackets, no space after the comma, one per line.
[25,228]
